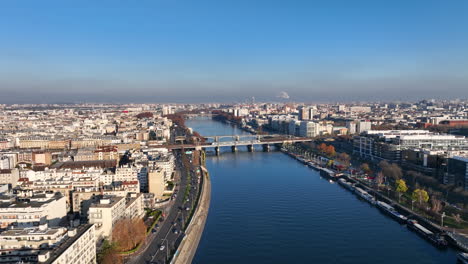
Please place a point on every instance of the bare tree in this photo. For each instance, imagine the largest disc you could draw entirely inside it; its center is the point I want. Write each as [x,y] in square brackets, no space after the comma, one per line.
[379,178]
[436,205]
[457,219]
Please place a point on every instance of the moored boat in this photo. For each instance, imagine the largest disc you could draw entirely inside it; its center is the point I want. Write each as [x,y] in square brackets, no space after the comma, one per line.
[365,195]
[389,210]
[348,185]
[430,236]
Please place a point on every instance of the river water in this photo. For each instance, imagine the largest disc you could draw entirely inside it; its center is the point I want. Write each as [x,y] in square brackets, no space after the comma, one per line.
[269,208]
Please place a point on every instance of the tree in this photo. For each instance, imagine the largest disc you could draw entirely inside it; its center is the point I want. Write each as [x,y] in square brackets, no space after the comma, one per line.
[322,148]
[392,171]
[379,178]
[344,159]
[401,188]
[383,164]
[108,254]
[145,115]
[436,205]
[365,168]
[420,196]
[330,151]
[457,219]
[128,233]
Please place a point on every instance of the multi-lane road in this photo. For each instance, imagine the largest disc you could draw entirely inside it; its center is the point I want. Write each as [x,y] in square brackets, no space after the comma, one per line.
[170,233]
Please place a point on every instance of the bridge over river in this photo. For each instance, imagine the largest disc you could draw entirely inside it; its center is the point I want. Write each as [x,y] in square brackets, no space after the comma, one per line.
[236,141]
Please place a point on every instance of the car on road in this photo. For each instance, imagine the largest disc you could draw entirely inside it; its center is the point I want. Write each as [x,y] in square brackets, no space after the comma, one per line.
[162,247]
[175,231]
[187,208]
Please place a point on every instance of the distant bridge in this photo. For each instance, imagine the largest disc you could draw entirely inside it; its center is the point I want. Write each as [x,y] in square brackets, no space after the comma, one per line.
[241,137]
[242,140]
[206,114]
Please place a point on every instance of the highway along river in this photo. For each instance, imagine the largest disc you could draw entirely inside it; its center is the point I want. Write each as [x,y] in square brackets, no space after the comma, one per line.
[269,208]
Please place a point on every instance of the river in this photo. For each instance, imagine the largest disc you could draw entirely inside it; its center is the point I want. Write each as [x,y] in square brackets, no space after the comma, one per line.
[269,208]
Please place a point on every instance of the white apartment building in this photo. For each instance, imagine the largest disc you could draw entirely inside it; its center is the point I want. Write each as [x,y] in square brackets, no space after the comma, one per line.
[126,174]
[105,213]
[134,206]
[79,246]
[166,163]
[33,210]
[156,182]
[309,129]
[363,126]
[8,161]
[25,244]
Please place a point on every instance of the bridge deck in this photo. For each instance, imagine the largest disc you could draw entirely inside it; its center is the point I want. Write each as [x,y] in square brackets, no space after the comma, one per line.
[235,143]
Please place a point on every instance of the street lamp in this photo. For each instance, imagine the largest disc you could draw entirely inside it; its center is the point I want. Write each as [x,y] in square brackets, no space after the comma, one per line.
[442,221]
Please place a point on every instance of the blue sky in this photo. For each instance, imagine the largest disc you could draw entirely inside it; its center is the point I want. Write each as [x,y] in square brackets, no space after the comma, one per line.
[211,50]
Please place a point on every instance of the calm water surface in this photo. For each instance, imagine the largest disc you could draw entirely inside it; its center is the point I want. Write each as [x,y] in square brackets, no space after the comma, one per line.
[269,208]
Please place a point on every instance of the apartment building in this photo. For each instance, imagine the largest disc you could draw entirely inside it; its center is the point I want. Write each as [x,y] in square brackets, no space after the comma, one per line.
[457,172]
[156,182]
[9,176]
[32,209]
[105,213]
[388,144]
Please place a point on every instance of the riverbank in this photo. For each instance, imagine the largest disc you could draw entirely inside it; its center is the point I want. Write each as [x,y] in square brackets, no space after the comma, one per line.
[189,244]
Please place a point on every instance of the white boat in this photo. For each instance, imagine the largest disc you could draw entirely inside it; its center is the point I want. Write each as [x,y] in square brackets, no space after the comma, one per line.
[365,195]
[385,207]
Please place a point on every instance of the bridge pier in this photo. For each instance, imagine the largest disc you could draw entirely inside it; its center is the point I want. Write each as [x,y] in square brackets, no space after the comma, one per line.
[217,151]
[266,147]
[250,148]
[234,148]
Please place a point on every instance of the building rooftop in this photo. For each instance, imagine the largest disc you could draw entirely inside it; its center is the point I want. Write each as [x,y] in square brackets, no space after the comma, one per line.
[106,201]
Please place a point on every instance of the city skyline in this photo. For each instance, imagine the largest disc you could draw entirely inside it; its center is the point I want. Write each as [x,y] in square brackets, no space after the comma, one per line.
[182,51]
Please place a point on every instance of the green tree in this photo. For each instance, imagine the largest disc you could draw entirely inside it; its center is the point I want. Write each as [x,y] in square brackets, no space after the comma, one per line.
[401,188]
[420,196]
